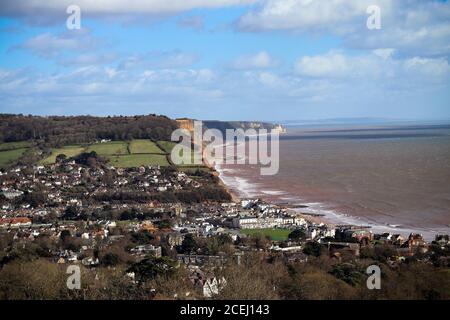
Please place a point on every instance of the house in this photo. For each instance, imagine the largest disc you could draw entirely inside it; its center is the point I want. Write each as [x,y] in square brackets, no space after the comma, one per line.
[15,222]
[12,194]
[174,239]
[213,286]
[442,240]
[341,248]
[90,261]
[147,249]
[352,233]
[397,239]
[148,226]
[415,241]
[254,222]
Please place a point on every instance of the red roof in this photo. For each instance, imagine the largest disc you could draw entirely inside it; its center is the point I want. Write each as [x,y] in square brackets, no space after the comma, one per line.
[21,220]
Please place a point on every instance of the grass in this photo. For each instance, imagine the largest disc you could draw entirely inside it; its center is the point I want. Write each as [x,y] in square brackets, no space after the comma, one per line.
[7,146]
[7,157]
[193,169]
[190,160]
[109,148]
[274,234]
[144,146]
[167,146]
[69,151]
[136,160]
[143,153]
[122,154]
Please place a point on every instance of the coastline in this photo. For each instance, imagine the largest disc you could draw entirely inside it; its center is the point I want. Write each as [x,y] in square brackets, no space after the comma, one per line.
[234,196]
[241,187]
[313,212]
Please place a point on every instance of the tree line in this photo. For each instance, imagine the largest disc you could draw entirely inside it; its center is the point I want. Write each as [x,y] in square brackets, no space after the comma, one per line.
[57,131]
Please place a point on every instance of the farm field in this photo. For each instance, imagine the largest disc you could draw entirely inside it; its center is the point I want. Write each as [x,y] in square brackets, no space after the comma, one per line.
[144,146]
[190,161]
[7,157]
[144,152]
[167,146]
[136,160]
[274,234]
[13,145]
[109,148]
[69,151]
[119,153]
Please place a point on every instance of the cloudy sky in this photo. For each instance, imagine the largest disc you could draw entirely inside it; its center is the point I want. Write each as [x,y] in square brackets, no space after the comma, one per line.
[227,59]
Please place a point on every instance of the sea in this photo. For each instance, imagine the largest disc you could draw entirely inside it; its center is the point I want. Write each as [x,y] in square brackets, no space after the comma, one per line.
[393,178]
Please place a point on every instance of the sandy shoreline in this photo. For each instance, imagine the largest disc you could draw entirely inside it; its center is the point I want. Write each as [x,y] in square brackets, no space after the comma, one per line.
[236,198]
[318,215]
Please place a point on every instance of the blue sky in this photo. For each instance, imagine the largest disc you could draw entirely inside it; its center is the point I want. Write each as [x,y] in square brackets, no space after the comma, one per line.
[227,59]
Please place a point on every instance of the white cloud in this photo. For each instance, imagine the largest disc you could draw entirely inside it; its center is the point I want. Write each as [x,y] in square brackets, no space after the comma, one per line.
[375,66]
[261,60]
[55,10]
[49,45]
[304,15]
[196,22]
[384,53]
[332,80]
[413,27]
[329,65]
[160,60]
[84,59]
[428,67]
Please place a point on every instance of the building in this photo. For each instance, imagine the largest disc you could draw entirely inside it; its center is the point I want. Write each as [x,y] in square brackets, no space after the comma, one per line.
[212,286]
[15,222]
[250,222]
[185,123]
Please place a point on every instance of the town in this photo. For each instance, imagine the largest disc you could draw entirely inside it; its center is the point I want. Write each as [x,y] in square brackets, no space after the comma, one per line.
[148,220]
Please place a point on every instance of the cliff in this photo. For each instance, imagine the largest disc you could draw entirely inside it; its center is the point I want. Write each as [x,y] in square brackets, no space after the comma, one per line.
[224,125]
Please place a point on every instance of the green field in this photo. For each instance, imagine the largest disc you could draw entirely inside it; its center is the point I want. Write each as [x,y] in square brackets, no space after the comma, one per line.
[136,160]
[144,146]
[190,160]
[13,145]
[144,153]
[167,146]
[139,152]
[69,151]
[109,148]
[7,157]
[274,234]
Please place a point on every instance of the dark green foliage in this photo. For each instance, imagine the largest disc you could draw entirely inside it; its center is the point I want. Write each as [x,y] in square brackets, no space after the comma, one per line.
[142,237]
[152,267]
[313,249]
[189,244]
[110,259]
[59,131]
[349,273]
[297,235]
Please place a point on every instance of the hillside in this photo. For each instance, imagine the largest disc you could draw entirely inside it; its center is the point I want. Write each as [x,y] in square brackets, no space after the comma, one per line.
[186,123]
[58,131]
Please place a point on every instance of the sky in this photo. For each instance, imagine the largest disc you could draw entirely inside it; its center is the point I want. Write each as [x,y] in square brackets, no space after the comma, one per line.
[270,60]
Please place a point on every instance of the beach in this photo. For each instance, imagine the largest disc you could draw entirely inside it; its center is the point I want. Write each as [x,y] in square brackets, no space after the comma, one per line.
[397,184]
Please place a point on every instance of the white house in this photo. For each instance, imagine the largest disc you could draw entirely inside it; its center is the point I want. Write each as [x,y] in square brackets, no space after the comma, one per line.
[212,286]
